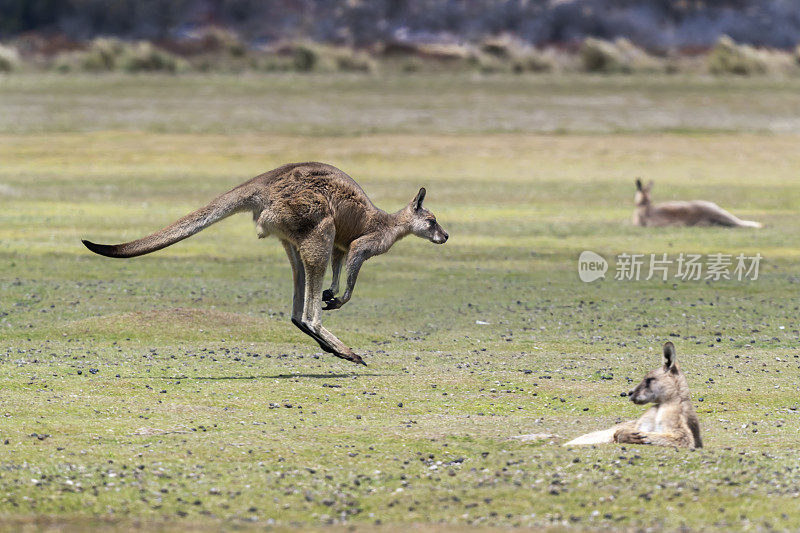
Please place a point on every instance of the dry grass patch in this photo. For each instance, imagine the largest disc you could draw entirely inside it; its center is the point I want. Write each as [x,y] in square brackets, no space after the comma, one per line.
[178,323]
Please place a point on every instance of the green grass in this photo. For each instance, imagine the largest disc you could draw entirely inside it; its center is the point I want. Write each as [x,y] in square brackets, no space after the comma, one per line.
[358,104]
[172,391]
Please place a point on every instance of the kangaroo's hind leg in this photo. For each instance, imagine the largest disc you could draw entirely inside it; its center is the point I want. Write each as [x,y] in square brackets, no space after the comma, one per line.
[315,251]
[299,296]
[298,279]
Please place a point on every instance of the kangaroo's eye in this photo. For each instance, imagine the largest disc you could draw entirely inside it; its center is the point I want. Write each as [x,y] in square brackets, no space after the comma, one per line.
[431,222]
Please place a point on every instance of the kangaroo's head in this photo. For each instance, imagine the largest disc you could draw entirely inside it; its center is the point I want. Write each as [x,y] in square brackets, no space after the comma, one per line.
[642,196]
[423,222]
[662,384]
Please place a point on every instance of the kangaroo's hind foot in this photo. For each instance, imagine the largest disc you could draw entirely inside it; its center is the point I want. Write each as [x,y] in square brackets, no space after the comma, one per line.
[343,353]
[350,355]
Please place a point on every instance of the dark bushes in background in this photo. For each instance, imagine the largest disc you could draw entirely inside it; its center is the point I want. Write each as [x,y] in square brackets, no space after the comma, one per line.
[220,50]
[656,25]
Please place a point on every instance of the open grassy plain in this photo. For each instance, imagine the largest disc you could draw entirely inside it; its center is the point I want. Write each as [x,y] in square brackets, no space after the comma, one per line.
[171,391]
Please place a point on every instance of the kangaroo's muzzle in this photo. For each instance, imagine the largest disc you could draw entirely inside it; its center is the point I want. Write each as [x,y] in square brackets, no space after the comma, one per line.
[440,237]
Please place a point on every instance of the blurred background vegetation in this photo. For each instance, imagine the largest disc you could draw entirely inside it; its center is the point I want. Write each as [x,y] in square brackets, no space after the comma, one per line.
[740,37]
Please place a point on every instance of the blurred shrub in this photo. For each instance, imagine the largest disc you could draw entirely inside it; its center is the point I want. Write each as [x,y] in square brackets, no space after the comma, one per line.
[142,56]
[620,56]
[9,58]
[348,60]
[111,54]
[503,47]
[411,65]
[66,62]
[532,60]
[727,57]
[270,62]
[305,57]
[505,53]
[483,62]
[600,56]
[313,57]
[637,59]
[103,54]
[431,57]
[444,53]
[216,39]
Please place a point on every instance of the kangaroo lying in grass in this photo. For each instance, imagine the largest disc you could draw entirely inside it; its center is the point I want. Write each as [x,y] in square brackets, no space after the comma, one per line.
[670,422]
[321,215]
[682,213]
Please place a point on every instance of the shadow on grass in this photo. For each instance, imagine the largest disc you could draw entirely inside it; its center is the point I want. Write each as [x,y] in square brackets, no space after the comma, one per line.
[276,376]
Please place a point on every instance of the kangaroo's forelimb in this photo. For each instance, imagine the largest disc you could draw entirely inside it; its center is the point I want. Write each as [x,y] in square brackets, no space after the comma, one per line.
[337,260]
[361,250]
[629,435]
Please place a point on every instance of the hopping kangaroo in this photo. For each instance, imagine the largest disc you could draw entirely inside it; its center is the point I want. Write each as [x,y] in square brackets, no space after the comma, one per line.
[320,214]
[682,213]
[670,422]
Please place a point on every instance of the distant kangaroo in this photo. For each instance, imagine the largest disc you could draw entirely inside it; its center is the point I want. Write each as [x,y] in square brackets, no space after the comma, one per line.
[320,214]
[670,422]
[682,213]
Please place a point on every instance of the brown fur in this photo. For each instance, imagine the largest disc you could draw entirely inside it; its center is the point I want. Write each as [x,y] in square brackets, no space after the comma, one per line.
[672,421]
[320,214]
[682,213]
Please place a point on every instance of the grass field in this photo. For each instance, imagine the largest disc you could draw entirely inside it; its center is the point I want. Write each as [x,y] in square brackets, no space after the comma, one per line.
[171,391]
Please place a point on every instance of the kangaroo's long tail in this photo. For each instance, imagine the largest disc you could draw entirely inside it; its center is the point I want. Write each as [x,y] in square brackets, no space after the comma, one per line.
[223,206]
[727,219]
[724,218]
[750,224]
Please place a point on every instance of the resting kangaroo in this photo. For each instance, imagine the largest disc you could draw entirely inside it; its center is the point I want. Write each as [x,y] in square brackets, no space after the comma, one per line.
[670,422]
[320,214]
[680,213]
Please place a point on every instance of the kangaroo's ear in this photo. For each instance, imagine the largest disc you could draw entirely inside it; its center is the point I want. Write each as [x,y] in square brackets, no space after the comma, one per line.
[649,186]
[669,356]
[416,203]
[638,184]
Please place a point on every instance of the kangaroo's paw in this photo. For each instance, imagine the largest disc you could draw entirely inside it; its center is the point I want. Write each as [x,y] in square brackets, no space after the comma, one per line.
[332,304]
[628,436]
[328,295]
